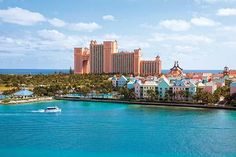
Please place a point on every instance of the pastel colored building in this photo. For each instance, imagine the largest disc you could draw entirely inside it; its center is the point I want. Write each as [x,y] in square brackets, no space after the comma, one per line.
[163,87]
[141,88]
[184,86]
[105,58]
[229,73]
[232,88]
[130,84]
[119,82]
[219,82]
[209,87]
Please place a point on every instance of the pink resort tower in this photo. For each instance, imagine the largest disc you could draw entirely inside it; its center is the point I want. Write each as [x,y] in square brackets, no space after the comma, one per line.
[105,58]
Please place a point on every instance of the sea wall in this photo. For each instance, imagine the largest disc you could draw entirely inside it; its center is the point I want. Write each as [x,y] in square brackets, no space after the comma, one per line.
[146,103]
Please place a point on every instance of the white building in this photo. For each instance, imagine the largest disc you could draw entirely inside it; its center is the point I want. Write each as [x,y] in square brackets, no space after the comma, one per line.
[141,89]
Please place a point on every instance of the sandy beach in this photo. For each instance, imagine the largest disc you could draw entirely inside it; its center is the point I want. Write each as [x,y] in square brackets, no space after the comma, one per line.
[28,100]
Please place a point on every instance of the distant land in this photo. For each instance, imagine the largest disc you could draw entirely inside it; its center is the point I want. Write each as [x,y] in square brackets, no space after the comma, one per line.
[52,71]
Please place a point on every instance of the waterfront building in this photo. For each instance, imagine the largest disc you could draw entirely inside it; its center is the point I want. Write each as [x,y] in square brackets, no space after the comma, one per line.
[229,73]
[151,67]
[209,87]
[176,71]
[81,61]
[119,82]
[105,58]
[164,87]
[220,82]
[141,88]
[130,84]
[232,88]
[185,86]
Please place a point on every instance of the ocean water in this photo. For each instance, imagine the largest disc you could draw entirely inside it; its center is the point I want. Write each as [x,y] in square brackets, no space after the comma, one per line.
[104,129]
[53,71]
[33,71]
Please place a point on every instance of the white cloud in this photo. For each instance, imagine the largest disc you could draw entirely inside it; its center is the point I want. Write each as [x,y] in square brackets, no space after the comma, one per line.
[228,28]
[20,16]
[190,39]
[84,26]
[57,22]
[25,17]
[111,36]
[108,18]
[202,21]
[51,35]
[176,25]
[226,12]
[231,44]
[184,48]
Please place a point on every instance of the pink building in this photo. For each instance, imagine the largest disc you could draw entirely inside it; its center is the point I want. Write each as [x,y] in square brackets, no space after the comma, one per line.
[81,60]
[105,58]
[232,88]
[209,87]
[151,67]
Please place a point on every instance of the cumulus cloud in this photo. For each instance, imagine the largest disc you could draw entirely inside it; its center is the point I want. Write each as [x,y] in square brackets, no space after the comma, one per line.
[190,39]
[51,35]
[84,26]
[81,26]
[202,21]
[57,22]
[176,25]
[231,29]
[111,36]
[20,16]
[25,17]
[226,12]
[108,18]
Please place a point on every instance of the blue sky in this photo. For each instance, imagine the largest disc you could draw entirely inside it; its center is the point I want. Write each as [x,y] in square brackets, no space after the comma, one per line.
[201,34]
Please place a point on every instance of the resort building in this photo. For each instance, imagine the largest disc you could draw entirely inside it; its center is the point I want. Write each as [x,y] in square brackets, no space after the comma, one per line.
[176,71]
[164,87]
[105,58]
[232,88]
[160,86]
[130,84]
[229,73]
[184,87]
[209,87]
[119,82]
[141,88]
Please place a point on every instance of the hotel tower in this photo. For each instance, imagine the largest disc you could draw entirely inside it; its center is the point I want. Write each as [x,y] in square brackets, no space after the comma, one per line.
[105,58]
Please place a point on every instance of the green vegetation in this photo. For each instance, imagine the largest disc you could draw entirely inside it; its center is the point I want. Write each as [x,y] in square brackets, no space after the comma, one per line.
[59,84]
[49,85]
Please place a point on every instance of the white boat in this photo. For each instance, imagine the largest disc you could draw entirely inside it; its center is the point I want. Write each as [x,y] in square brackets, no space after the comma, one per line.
[52,109]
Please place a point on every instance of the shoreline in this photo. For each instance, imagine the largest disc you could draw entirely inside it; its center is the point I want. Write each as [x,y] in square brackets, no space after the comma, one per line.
[31,100]
[170,104]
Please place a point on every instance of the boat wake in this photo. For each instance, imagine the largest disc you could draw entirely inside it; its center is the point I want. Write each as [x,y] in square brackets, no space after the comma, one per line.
[39,111]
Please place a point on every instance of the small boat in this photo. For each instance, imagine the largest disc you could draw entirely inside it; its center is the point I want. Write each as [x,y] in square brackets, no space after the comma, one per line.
[52,109]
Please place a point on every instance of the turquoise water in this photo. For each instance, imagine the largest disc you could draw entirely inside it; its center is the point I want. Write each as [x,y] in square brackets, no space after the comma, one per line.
[103,129]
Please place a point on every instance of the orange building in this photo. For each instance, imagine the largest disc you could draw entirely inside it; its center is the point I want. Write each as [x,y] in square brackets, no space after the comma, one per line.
[105,58]
[176,71]
[228,72]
